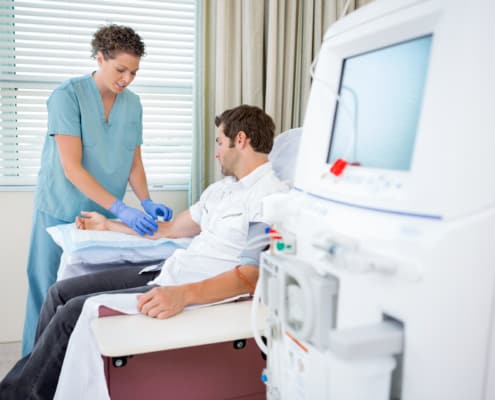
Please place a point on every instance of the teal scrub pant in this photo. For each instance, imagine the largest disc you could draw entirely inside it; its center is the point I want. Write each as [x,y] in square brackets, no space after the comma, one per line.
[43,262]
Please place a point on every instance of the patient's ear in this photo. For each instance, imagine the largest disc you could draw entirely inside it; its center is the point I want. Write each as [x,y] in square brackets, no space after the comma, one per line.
[241,139]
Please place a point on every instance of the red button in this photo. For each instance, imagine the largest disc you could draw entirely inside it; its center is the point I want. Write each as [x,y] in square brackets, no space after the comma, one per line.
[338,167]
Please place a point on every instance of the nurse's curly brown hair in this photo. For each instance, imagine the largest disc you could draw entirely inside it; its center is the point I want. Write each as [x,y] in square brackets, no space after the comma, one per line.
[114,39]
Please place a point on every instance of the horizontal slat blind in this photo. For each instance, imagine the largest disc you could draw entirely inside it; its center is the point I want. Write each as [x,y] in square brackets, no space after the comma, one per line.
[44,42]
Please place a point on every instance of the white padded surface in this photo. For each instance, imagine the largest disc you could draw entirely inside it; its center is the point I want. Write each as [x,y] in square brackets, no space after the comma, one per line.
[284,154]
[136,334]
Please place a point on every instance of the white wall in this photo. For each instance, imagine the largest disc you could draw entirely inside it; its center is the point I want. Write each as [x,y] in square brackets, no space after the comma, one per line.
[15,228]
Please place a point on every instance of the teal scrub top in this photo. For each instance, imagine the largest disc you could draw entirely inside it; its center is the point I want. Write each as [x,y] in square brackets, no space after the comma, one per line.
[75,108]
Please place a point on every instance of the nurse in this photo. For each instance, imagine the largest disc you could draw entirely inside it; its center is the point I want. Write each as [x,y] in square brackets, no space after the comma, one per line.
[92,150]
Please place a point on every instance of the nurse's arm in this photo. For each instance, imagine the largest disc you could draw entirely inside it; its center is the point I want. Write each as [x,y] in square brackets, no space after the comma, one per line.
[137,176]
[165,301]
[181,226]
[70,152]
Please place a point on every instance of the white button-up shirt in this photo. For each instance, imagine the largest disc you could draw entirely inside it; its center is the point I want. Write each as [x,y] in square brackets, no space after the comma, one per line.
[224,212]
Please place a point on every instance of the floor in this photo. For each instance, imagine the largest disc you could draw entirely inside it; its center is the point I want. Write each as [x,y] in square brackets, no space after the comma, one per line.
[10,353]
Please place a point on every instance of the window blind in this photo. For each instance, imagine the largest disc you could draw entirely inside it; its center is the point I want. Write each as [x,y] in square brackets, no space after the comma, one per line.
[42,43]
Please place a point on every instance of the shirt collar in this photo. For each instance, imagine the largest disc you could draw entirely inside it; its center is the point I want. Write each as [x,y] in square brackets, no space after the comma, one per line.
[253,177]
[250,179]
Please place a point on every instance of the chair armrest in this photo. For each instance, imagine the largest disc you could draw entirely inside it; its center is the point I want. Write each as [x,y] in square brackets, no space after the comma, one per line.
[125,335]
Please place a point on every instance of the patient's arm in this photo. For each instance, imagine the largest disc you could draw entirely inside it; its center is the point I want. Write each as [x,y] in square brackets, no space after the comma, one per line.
[180,226]
[166,301]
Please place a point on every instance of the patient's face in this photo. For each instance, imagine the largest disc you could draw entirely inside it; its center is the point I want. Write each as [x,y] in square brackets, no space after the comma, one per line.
[226,154]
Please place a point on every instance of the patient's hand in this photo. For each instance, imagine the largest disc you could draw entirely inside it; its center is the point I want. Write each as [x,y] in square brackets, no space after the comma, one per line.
[91,220]
[162,302]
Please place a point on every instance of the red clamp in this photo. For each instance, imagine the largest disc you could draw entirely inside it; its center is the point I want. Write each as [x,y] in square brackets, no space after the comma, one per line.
[338,167]
[274,234]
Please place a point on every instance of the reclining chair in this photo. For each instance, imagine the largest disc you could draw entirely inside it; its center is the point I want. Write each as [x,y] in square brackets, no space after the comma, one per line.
[204,353]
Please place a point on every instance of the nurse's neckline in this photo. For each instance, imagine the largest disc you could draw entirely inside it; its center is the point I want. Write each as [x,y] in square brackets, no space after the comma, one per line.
[106,102]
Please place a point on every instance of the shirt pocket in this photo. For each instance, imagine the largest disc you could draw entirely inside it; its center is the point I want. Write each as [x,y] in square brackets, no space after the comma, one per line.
[232,225]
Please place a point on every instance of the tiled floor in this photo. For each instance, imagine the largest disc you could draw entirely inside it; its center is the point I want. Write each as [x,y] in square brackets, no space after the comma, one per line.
[9,355]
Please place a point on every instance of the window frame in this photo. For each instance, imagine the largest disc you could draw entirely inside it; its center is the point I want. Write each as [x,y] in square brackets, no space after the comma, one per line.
[145,90]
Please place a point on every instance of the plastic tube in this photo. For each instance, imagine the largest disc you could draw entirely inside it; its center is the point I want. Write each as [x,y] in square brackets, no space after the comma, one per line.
[254,319]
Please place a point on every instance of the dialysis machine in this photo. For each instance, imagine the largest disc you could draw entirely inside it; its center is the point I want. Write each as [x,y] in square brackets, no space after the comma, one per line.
[382,283]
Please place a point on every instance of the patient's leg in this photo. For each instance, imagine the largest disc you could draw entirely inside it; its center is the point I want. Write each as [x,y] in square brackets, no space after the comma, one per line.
[62,291]
[36,375]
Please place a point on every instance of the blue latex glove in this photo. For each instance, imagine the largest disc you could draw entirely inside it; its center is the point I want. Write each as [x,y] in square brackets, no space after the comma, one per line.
[137,220]
[157,210]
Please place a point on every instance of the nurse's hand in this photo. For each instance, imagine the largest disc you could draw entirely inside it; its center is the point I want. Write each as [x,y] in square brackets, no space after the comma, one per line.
[157,210]
[162,302]
[137,220]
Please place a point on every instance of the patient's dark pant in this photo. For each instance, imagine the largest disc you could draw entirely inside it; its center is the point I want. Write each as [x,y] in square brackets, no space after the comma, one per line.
[36,375]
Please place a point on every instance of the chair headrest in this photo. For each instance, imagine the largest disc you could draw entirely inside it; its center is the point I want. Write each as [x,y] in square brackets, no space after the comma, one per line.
[284,154]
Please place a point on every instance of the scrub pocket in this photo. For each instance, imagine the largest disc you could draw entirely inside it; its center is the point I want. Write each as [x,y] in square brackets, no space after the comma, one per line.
[130,135]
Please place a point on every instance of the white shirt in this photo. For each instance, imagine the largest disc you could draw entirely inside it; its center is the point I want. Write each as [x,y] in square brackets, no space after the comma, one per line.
[224,212]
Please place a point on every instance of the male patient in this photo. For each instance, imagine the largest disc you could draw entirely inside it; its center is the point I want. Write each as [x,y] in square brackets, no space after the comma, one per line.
[227,214]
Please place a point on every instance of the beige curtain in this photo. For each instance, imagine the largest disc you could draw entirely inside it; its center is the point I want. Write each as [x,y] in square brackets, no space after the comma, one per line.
[257,52]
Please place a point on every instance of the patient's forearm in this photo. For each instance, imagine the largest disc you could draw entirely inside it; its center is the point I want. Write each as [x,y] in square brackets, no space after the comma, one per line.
[92,220]
[181,226]
[117,226]
[222,286]
[166,301]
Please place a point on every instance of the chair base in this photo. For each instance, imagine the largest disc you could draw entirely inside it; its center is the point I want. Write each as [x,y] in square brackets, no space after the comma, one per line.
[229,370]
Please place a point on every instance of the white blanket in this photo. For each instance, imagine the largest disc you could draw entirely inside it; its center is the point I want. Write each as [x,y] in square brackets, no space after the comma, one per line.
[82,376]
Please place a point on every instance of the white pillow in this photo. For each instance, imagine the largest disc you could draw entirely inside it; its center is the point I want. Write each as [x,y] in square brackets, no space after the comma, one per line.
[83,249]
[284,154]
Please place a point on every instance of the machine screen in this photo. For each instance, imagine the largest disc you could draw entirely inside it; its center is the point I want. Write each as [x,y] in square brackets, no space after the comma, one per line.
[380,98]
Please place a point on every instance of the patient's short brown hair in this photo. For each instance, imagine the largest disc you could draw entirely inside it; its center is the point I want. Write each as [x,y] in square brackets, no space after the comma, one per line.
[258,126]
